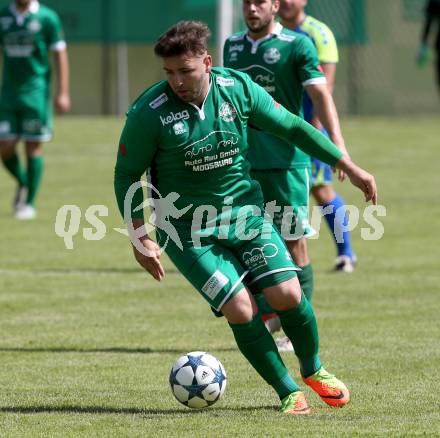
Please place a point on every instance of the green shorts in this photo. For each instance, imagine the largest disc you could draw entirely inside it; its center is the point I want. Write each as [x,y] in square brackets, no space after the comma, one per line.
[27,116]
[220,267]
[289,188]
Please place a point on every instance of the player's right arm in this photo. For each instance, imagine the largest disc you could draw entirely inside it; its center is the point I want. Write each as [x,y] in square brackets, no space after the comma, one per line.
[57,44]
[273,118]
[137,146]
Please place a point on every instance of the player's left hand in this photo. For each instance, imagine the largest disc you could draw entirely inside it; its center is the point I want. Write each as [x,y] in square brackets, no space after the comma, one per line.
[360,178]
[366,182]
[62,103]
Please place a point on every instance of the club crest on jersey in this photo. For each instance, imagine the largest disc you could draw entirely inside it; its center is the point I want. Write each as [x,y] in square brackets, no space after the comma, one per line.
[227,112]
[272,55]
[34,26]
[179,128]
[174,117]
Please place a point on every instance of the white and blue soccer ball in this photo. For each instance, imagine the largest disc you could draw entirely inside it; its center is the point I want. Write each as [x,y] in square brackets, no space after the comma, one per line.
[198,379]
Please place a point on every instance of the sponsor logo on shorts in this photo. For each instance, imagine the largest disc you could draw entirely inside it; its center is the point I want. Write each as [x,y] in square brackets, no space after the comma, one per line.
[257,257]
[33,126]
[174,117]
[215,284]
[5,127]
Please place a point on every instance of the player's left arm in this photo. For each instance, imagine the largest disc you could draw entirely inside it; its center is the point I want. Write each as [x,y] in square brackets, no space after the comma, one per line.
[57,44]
[321,93]
[273,118]
[329,70]
[62,98]
[327,113]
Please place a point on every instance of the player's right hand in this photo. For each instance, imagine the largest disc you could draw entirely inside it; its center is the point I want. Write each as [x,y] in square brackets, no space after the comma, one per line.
[62,103]
[152,262]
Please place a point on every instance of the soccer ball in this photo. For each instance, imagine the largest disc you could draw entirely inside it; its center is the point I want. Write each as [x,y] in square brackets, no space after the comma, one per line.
[198,379]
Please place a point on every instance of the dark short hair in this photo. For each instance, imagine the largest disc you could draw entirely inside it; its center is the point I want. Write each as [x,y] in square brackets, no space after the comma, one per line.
[184,37]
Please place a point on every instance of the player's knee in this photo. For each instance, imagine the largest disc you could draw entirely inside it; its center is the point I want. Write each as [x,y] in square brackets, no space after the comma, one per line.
[240,309]
[284,296]
[323,194]
[33,149]
[7,149]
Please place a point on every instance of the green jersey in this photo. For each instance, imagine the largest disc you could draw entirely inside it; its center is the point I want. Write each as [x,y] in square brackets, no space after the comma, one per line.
[200,153]
[283,63]
[26,40]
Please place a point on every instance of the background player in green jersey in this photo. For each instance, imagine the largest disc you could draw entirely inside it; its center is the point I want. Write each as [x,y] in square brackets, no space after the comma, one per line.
[293,16]
[28,33]
[432,18]
[191,131]
[284,63]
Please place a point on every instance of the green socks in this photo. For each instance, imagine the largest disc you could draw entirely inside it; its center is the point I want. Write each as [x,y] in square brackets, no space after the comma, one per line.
[259,348]
[35,173]
[305,277]
[299,324]
[13,165]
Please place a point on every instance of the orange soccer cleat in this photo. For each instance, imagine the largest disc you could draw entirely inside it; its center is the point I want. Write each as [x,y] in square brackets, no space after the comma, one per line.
[295,404]
[331,390]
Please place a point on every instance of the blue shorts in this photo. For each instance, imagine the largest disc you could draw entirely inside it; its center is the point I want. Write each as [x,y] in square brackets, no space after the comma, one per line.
[322,173]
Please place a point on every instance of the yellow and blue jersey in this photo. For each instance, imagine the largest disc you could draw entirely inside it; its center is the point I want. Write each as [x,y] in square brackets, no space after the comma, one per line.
[322,37]
[327,49]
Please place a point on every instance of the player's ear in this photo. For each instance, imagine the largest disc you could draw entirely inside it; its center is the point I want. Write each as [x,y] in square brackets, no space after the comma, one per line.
[275,6]
[208,63]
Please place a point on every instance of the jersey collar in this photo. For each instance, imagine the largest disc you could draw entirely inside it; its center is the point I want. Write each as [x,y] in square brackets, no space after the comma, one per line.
[201,110]
[255,43]
[34,7]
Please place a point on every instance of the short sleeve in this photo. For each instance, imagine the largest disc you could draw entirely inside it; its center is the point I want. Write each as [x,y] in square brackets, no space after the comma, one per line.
[326,45]
[55,33]
[306,61]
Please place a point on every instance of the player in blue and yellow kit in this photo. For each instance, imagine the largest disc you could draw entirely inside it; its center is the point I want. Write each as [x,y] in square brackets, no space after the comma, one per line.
[293,17]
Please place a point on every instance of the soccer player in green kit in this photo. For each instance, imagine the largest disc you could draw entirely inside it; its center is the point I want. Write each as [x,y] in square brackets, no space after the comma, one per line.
[284,63]
[191,132]
[28,33]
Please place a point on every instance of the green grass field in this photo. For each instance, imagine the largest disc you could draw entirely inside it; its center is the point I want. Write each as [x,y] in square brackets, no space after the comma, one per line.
[87,338]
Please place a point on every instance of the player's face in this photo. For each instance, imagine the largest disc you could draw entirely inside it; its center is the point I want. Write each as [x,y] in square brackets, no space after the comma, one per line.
[259,14]
[188,76]
[291,8]
[22,3]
